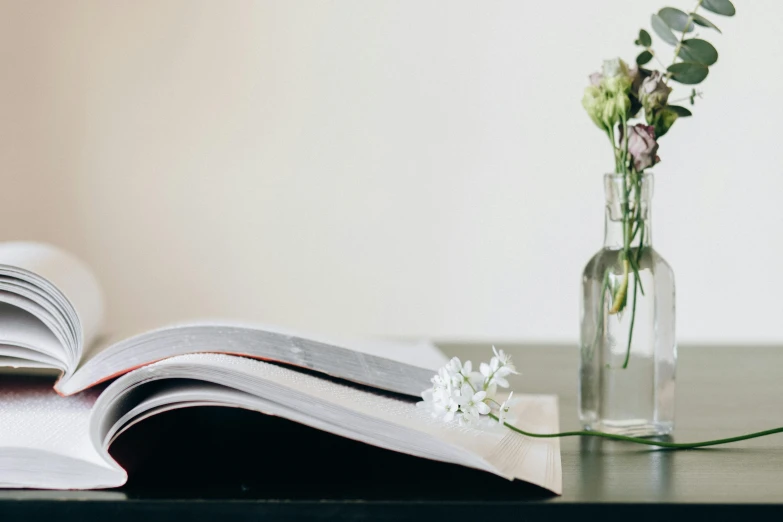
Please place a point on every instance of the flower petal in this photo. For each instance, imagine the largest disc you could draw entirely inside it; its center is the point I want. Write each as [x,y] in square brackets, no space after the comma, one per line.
[483,408]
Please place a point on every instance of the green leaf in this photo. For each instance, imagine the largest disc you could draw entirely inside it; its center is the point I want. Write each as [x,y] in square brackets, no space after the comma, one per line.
[699,51]
[688,73]
[644,38]
[662,30]
[676,19]
[682,112]
[700,20]
[644,57]
[721,7]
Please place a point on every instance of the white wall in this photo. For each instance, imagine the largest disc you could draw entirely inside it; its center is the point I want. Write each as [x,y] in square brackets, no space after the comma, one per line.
[386,167]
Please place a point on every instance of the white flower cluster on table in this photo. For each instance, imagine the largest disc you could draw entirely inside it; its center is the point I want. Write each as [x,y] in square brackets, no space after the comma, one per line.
[458,393]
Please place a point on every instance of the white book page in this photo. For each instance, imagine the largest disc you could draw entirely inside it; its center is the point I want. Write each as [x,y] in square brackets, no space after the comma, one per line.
[21,329]
[417,352]
[58,271]
[44,438]
[387,364]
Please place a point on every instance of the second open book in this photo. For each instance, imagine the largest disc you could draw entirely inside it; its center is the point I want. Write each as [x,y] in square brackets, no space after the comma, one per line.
[51,316]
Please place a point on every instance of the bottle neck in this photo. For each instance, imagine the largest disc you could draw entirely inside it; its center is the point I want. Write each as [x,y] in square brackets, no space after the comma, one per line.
[628,213]
[614,233]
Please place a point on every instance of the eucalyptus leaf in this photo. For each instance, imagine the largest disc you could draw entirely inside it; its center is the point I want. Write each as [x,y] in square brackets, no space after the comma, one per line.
[700,20]
[682,112]
[721,7]
[676,19]
[662,30]
[688,73]
[644,57]
[699,51]
[644,38]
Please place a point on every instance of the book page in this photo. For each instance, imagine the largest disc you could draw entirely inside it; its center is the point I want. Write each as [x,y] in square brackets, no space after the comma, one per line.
[58,274]
[390,365]
[45,439]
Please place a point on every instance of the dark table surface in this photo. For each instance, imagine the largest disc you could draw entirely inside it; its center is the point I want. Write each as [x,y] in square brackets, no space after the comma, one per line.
[205,463]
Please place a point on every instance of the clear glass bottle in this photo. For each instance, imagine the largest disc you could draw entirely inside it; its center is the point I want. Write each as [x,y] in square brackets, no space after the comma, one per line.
[628,346]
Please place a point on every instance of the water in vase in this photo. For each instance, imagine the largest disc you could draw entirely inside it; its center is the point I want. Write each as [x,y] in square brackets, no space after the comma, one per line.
[628,347]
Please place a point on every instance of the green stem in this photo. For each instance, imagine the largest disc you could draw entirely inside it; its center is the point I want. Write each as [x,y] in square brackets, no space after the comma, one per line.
[633,320]
[639,440]
[639,219]
[599,326]
[610,132]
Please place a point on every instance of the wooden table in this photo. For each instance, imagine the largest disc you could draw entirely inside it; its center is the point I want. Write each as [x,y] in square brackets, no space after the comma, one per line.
[222,464]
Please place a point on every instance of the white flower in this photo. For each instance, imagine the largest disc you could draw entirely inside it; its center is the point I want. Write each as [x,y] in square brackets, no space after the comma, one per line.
[458,393]
[461,373]
[505,361]
[456,366]
[471,404]
[503,411]
[497,370]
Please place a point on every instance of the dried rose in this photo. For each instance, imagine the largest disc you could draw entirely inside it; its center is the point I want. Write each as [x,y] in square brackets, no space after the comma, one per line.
[642,146]
[654,93]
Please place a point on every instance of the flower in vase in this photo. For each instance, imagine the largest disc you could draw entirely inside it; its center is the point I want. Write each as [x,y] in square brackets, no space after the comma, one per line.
[606,99]
[654,93]
[617,77]
[593,101]
[642,146]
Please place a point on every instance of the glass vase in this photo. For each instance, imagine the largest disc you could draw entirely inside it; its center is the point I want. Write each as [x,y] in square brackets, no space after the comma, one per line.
[628,346]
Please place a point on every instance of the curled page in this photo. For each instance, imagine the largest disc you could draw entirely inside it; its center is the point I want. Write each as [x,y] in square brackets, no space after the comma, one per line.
[57,289]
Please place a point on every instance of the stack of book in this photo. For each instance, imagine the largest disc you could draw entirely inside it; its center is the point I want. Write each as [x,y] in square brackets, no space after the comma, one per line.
[51,318]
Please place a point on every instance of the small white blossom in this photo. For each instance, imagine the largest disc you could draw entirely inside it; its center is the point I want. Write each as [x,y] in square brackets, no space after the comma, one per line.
[472,402]
[497,370]
[458,393]
[503,411]
[504,361]
[456,366]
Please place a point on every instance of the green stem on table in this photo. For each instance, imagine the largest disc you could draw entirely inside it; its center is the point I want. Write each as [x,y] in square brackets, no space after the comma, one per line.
[639,440]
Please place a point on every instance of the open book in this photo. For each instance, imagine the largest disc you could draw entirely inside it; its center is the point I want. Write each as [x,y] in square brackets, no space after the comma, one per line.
[51,316]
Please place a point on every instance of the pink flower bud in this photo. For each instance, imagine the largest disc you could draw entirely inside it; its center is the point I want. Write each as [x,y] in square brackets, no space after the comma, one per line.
[642,146]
